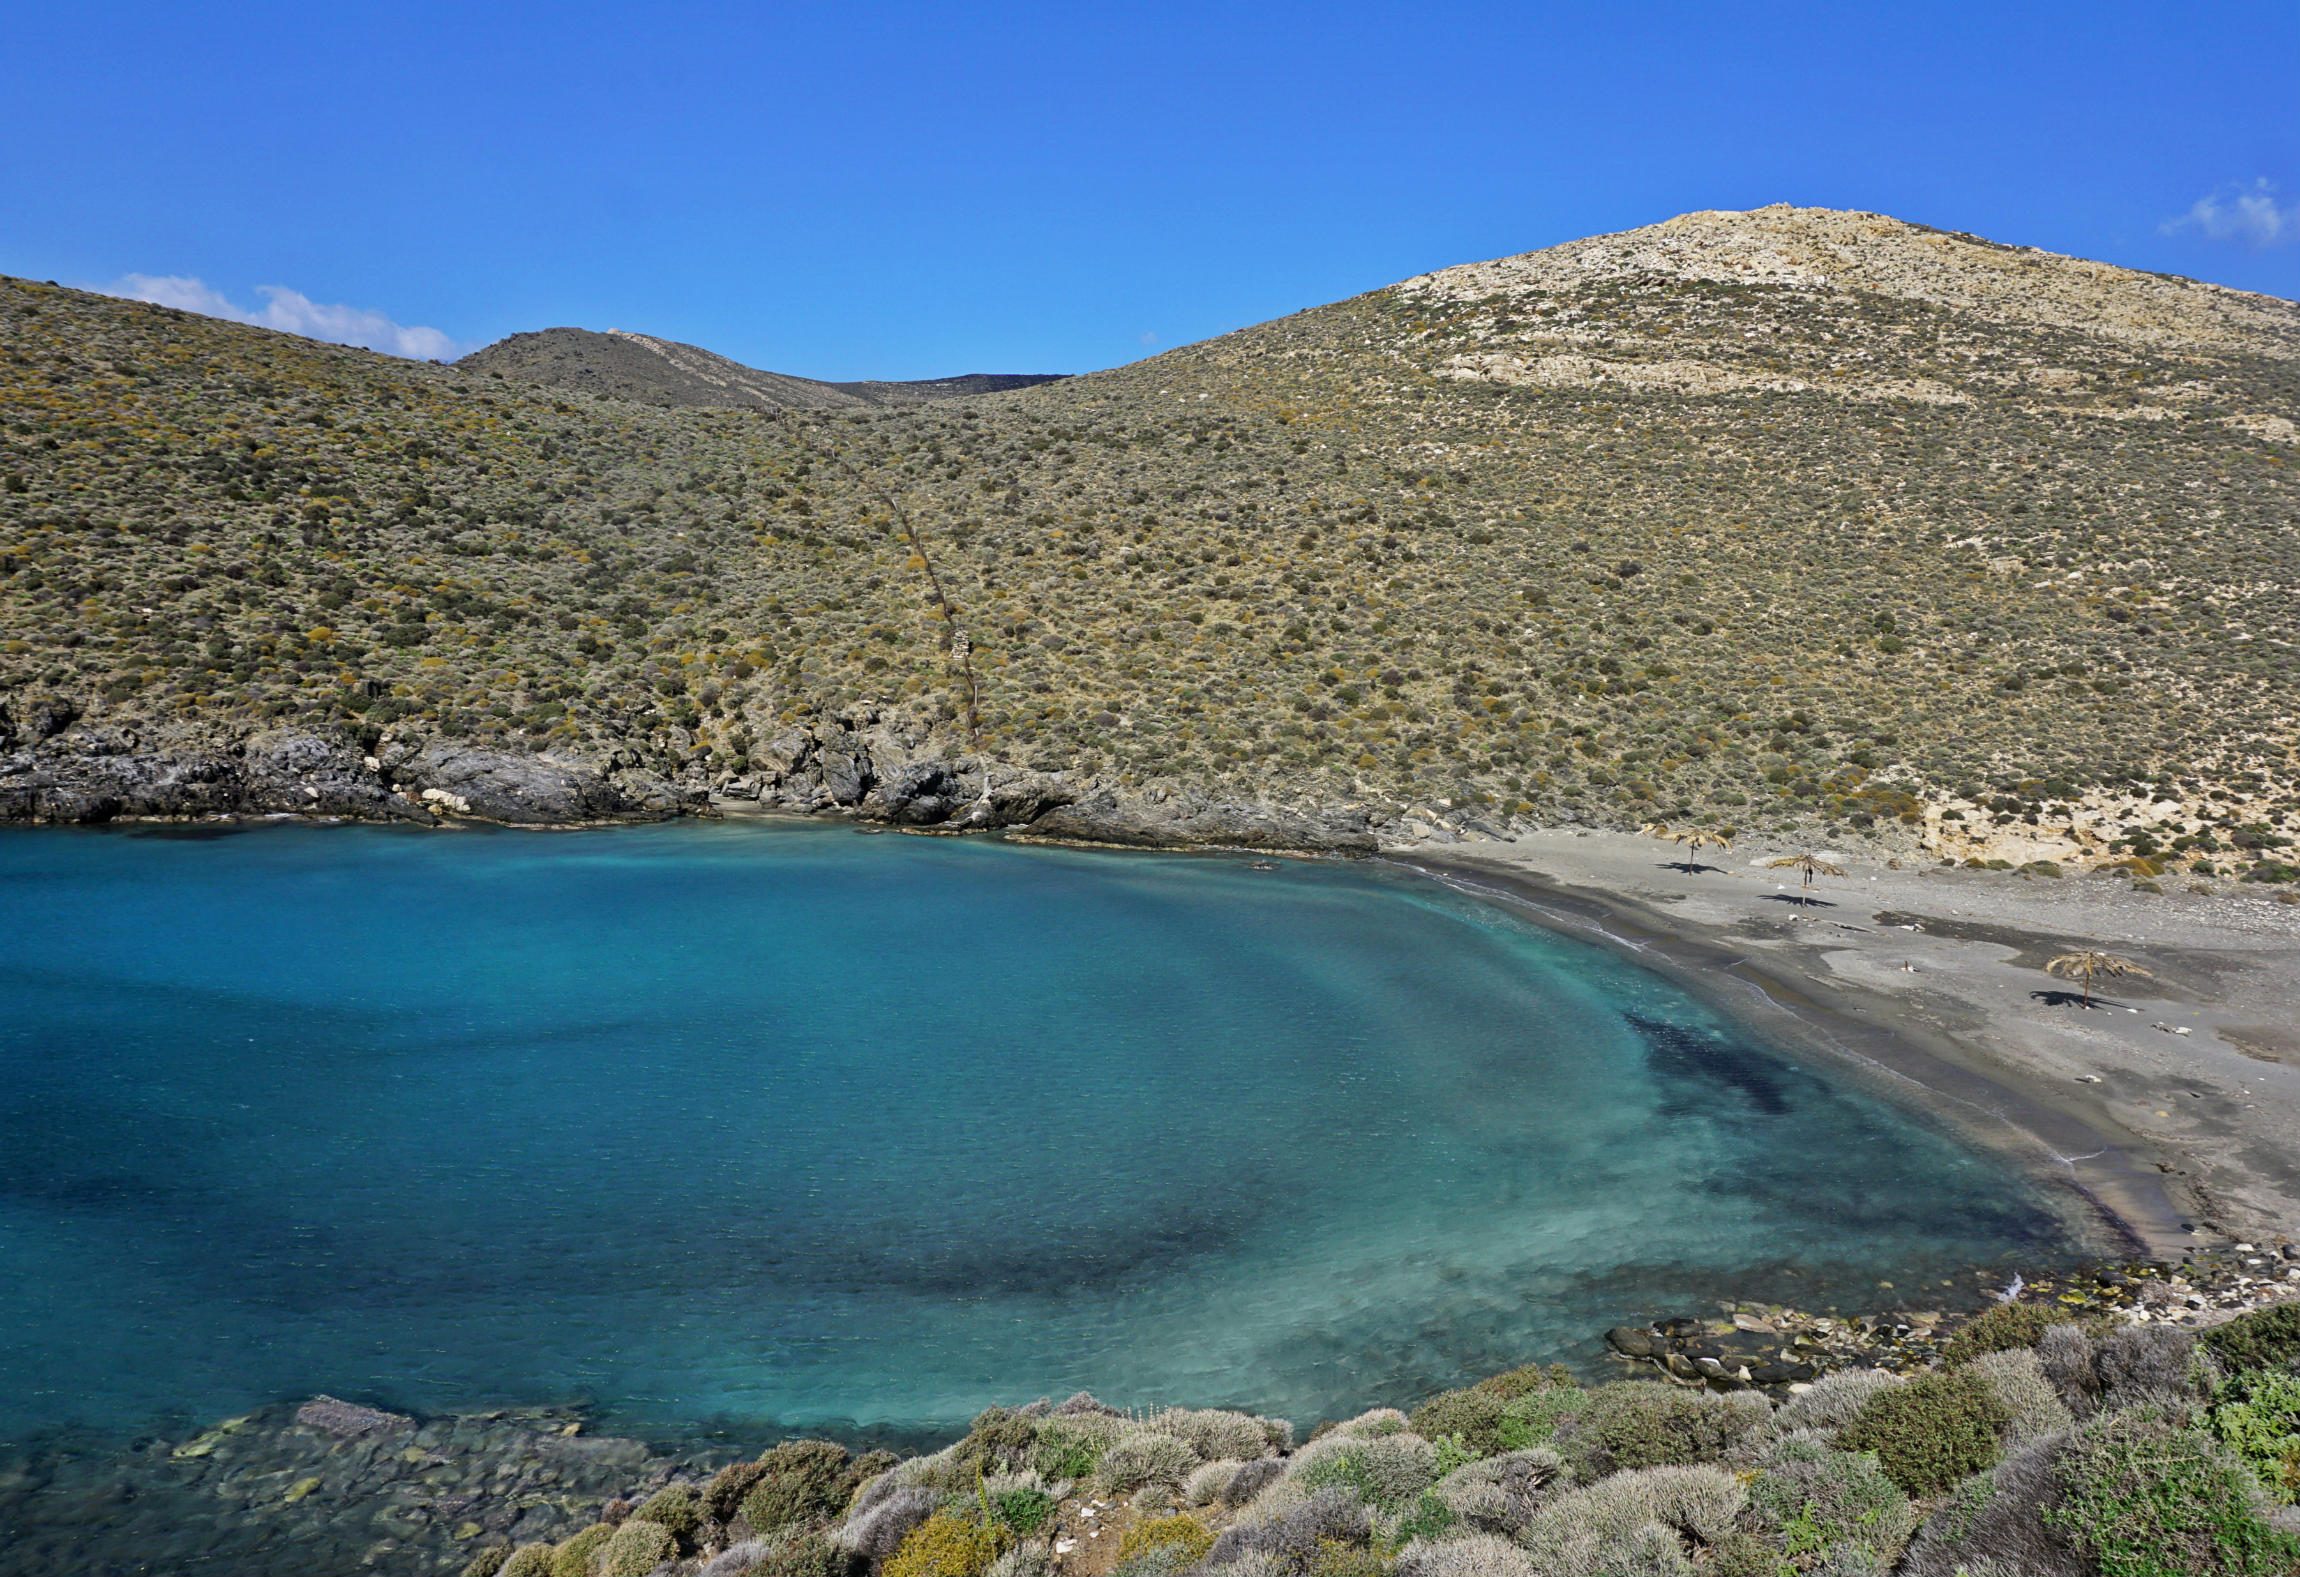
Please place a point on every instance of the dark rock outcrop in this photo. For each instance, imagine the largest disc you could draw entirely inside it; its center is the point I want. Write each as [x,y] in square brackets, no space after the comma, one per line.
[522,790]
[100,773]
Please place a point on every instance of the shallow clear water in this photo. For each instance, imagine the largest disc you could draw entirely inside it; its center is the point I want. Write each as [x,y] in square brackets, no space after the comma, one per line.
[776,1125]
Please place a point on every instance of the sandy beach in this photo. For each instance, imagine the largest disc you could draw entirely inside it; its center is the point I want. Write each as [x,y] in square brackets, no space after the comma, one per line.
[2169,1112]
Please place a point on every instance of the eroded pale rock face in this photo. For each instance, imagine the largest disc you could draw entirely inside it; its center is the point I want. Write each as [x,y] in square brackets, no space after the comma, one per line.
[1822,249]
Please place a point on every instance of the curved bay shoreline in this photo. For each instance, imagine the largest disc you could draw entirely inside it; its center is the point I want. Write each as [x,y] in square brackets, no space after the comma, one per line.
[2171,1111]
[1971,1033]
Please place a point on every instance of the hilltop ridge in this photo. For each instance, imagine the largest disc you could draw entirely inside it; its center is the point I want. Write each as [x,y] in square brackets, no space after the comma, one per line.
[630,366]
[1782,519]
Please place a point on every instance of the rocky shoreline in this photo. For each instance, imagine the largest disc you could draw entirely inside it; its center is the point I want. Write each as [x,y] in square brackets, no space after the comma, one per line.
[58,768]
[328,1486]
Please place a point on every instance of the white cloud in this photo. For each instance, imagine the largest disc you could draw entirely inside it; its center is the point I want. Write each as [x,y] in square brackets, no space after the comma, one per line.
[2250,214]
[292,312]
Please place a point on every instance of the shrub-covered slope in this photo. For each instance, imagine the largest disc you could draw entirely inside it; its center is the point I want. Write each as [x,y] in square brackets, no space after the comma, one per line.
[2126,1452]
[1759,518]
[629,366]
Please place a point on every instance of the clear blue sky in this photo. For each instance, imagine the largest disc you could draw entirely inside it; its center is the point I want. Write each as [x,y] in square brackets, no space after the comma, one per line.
[901,190]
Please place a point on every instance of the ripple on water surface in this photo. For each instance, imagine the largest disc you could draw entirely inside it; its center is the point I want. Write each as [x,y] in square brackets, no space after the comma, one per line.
[771,1124]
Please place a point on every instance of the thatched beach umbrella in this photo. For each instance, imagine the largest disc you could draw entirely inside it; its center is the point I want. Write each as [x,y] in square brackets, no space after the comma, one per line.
[1811,864]
[2085,964]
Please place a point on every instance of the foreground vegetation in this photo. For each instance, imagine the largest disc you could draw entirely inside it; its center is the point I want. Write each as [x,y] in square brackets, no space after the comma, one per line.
[2045,1448]
[1615,540]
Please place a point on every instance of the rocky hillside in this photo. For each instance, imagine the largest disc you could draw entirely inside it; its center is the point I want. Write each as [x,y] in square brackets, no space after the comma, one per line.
[627,366]
[1791,517]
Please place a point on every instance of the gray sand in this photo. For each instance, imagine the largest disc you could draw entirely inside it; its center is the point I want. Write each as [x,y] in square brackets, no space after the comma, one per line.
[2171,1108]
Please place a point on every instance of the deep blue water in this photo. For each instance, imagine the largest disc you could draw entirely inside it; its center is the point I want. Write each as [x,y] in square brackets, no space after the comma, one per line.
[779,1125]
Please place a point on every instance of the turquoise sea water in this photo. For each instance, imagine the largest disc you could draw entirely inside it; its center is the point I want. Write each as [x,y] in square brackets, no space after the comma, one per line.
[758,1126]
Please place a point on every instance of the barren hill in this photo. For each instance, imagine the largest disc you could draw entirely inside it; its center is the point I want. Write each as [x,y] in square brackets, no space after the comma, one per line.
[1788,518]
[654,371]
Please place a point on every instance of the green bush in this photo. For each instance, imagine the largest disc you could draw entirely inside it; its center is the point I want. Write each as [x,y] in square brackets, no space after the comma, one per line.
[2257,1415]
[574,1557]
[1639,1424]
[724,1494]
[2264,1339]
[1543,1412]
[638,1547]
[1023,1510]
[675,1509]
[2005,1326]
[529,1560]
[1000,1437]
[1820,1503]
[945,1545]
[1931,1432]
[1480,1420]
[1385,1472]
[1072,1446]
[1430,1517]
[806,1554]
[801,1481]
[2144,1495]
[1527,1379]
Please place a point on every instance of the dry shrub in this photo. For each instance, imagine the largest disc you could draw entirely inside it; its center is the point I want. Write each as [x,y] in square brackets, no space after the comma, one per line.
[1251,1479]
[1834,1400]
[1213,1433]
[1634,1516]
[1997,1519]
[1500,1495]
[2065,1354]
[1143,1458]
[2150,1366]
[1375,1421]
[2016,1378]
[1479,1555]
[2000,1329]
[1291,1539]
[1208,1484]
[876,1533]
